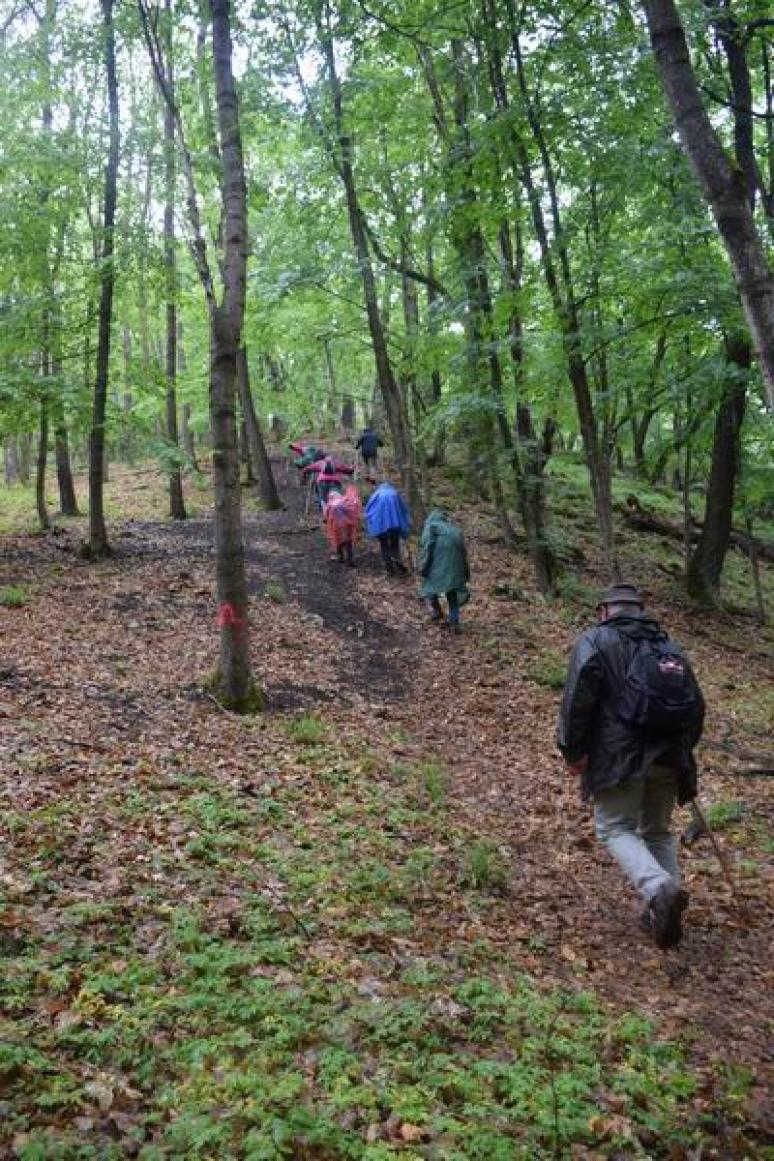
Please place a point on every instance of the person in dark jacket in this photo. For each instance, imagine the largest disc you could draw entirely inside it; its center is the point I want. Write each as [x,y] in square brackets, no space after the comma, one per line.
[368,445]
[633,774]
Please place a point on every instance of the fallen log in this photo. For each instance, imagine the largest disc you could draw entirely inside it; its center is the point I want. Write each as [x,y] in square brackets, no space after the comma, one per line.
[645,521]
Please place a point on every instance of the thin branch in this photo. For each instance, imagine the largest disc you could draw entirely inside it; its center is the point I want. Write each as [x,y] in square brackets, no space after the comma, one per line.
[727,103]
[399,268]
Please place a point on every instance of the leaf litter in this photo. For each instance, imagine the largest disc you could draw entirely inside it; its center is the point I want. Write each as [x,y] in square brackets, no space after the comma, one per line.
[374,918]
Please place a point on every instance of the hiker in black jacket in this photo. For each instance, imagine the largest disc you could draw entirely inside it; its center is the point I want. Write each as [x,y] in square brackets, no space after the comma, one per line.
[631,714]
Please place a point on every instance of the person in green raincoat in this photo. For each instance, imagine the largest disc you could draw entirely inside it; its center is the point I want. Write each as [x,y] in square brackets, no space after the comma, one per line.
[443,565]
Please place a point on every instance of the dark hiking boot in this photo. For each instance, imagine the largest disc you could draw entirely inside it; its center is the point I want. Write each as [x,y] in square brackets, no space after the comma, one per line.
[662,918]
[436,617]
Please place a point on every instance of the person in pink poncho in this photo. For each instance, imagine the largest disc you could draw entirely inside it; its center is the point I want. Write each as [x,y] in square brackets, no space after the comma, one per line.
[342,515]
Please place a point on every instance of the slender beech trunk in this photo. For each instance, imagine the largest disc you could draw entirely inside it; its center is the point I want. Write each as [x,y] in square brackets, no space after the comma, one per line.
[11,461]
[68,502]
[98,541]
[560,287]
[257,448]
[332,405]
[176,501]
[24,457]
[388,386]
[189,443]
[226,322]
[706,565]
[722,182]
[40,474]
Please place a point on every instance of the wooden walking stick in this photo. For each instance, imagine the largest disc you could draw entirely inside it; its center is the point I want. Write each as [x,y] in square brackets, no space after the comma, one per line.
[701,818]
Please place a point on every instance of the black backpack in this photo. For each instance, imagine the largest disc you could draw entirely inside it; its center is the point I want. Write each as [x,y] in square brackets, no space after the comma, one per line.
[659,693]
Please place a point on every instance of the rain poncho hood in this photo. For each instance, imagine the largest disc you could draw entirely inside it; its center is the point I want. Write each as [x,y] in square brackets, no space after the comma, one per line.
[386,511]
[309,455]
[342,517]
[443,561]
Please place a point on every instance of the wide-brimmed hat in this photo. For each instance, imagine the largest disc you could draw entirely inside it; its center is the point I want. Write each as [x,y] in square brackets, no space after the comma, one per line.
[621,594]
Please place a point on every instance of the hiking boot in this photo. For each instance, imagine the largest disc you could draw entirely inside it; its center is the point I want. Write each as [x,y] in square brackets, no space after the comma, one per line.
[662,918]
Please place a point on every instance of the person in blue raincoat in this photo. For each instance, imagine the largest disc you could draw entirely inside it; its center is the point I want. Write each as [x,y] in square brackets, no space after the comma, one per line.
[388,519]
[443,565]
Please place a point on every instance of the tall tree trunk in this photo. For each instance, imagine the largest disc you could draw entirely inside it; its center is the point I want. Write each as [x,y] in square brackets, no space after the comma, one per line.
[388,386]
[188,435]
[98,541]
[24,457]
[722,183]
[11,460]
[332,404]
[40,475]
[706,565]
[68,503]
[267,487]
[226,322]
[176,501]
[189,443]
[560,287]
[533,451]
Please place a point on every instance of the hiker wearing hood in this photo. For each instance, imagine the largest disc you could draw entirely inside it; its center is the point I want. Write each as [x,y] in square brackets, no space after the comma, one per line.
[328,475]
[631,715]
[387,519]
[342,515]
[443,563]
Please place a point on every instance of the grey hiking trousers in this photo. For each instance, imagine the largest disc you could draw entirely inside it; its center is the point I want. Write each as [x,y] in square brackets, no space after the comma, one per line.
[633,820]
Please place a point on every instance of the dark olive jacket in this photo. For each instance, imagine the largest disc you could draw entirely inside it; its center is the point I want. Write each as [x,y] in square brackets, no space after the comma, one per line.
[588,723]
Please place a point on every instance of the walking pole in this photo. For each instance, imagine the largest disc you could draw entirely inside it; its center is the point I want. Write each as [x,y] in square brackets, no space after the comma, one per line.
[701,818]
[308,495]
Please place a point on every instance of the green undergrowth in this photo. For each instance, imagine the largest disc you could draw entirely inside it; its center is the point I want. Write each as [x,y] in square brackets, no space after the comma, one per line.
[283,970]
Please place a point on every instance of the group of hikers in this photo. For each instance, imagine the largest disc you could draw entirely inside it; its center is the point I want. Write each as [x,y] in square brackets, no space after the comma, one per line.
[443,560]
[632,711]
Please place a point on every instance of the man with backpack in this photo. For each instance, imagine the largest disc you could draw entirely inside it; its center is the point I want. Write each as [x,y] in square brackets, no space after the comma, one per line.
[631,715]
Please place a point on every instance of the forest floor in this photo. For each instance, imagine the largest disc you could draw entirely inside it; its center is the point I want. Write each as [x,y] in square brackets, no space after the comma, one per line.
[372,921]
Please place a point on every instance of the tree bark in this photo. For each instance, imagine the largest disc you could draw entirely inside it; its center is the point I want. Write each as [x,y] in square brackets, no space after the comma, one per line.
[226,322]
[11,461]
[262,465]
[40,474]
[176,501]
[706,565]
[98,541]
[68,502]
[24,457]
[722,184]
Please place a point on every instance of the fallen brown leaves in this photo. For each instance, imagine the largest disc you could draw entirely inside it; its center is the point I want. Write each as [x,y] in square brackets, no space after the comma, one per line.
[101,696]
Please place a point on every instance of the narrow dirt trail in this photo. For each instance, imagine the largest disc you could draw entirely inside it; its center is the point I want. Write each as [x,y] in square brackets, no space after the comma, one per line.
[566,914]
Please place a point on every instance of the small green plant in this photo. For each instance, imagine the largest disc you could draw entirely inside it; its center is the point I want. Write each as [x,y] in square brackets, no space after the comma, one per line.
[485,868]
[549,669]
[435,779]
[13,596]
[306,729]
[275,592]
[723,814]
